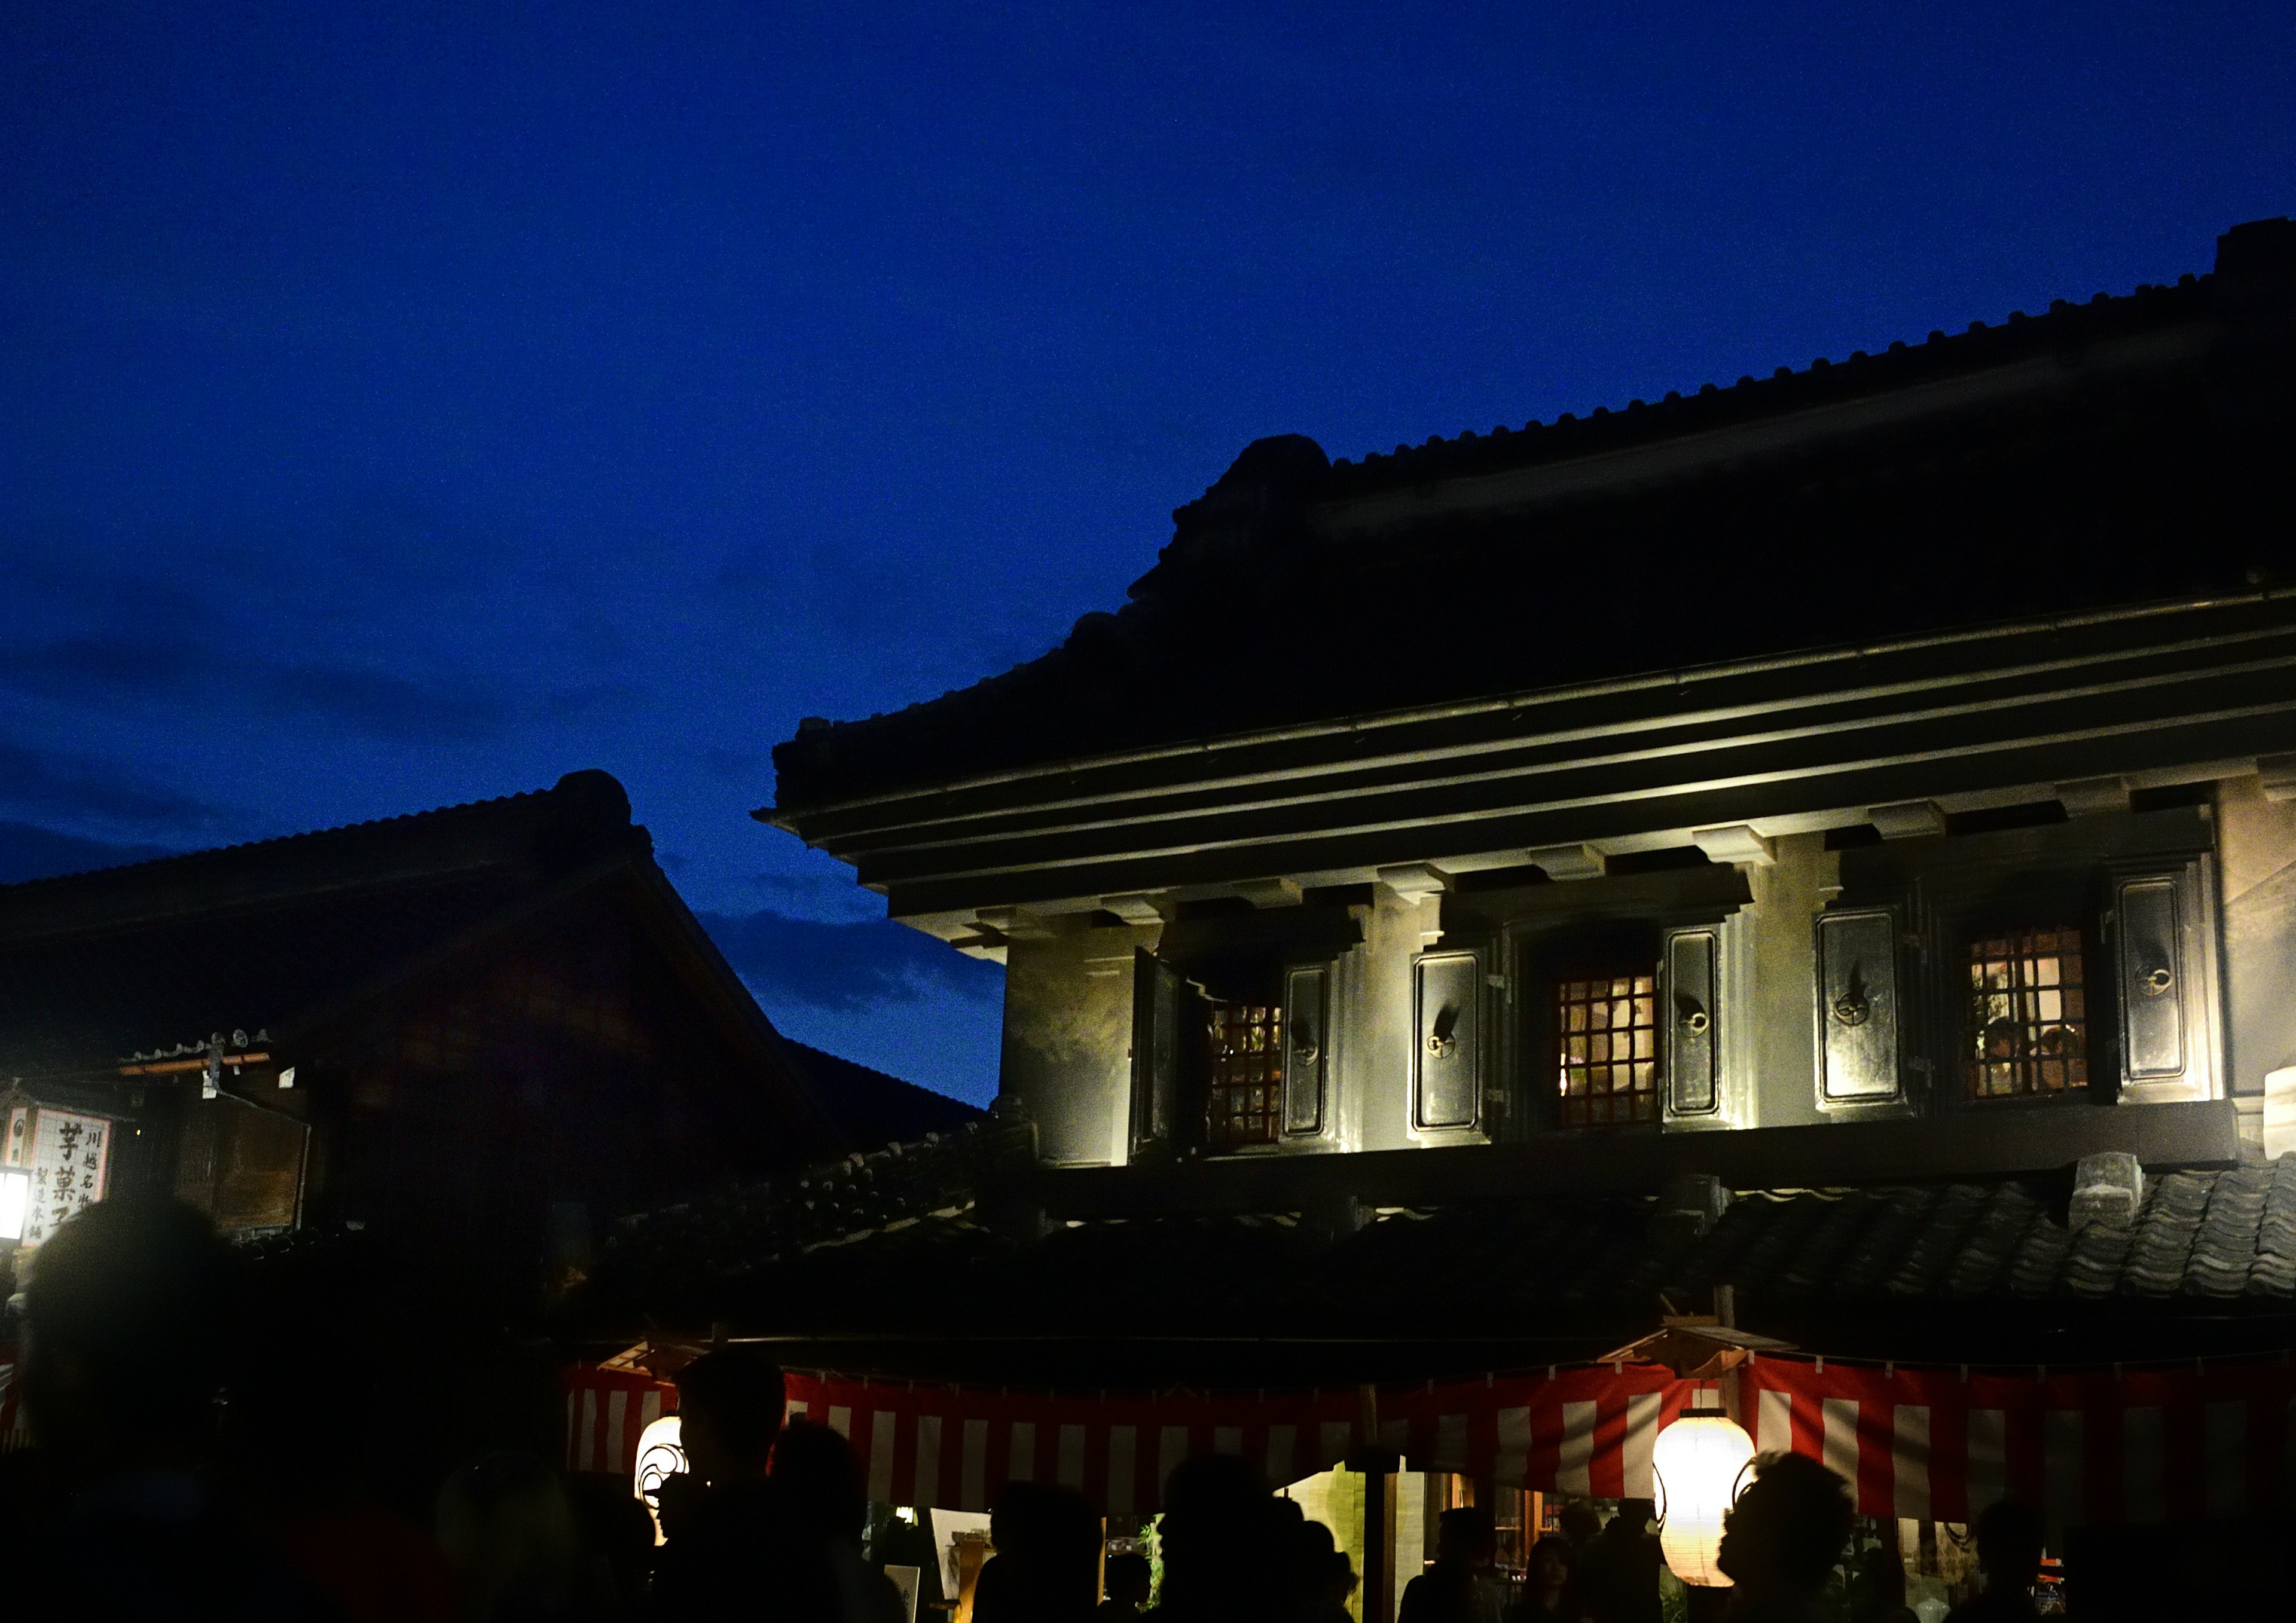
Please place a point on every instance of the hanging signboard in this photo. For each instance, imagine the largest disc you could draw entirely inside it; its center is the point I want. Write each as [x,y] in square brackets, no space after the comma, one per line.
[69,1155]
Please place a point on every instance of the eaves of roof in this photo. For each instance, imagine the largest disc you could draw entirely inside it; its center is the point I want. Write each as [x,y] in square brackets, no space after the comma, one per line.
[1933,485]
[2205,686]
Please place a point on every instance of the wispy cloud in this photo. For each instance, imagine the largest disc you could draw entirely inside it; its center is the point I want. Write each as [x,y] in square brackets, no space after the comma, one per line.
[29,851]
[47,783]
[845,968]
[371,703]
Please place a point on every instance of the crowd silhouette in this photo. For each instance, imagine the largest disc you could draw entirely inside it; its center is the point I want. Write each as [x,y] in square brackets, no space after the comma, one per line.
[216,1440]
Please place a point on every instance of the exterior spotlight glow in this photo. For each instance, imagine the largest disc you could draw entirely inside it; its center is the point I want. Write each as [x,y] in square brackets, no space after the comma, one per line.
[15,1201]
[1700,1463]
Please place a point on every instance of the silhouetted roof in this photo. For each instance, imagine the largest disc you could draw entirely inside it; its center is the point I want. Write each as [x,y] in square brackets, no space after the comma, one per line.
[872,1107]
[95,968]
[926,1283]
[2119,451]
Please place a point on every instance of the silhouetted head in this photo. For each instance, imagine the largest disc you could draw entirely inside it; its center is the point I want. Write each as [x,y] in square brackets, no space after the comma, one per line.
[1551,1561]
[820,1480]
[729,1407]
[1128,1579]
[1326,1577]
[2010,1540]
[126,1313]
[508,1528]
[1048,1547]
[1464,1534]
[1222,1540]
[1788,1528]
[1634,1517]
[1580,1524]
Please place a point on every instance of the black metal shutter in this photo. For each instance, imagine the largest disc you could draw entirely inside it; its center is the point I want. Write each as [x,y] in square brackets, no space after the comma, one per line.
[1158,995]
[1860,1011]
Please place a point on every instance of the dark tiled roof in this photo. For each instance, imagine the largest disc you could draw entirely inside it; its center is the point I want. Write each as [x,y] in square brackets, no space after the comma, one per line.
[872,1107]
[1969,1271]
[96,967]
[2119,451]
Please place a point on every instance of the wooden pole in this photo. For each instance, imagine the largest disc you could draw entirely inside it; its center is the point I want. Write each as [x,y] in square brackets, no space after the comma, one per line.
[1726,1315]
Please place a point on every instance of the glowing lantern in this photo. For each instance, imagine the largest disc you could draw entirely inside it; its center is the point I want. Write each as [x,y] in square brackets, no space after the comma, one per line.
[1700,1463]
[661,1456]
[15,1201]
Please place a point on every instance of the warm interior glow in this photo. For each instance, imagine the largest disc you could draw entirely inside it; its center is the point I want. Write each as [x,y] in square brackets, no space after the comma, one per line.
[1700,1463]
[15,1201]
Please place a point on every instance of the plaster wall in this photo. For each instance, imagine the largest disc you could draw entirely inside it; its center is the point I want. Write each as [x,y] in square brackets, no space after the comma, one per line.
[1378,1022]
[2256,859]
[1782,957]
[1068,1039]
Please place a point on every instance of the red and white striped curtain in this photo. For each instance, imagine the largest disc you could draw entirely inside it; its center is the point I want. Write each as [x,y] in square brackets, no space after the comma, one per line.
[1923,1444]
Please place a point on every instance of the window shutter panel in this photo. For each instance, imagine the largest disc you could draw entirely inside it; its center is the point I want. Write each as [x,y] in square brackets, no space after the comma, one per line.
[1447,1056]
[1157,998]
[1860,1006]
[1692,1036]
[2150,913]
[1307,1047]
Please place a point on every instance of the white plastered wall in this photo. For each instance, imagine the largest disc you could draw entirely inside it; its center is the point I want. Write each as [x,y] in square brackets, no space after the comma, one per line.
[1068,1039]
[1777,957]
[1375,1025]
[2256,852]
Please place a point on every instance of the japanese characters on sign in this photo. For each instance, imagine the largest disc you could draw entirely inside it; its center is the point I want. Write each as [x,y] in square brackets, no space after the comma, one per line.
[70,1157]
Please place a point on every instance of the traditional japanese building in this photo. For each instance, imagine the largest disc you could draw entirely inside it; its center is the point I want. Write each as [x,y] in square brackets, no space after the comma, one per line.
[1820,851]
[477,1031]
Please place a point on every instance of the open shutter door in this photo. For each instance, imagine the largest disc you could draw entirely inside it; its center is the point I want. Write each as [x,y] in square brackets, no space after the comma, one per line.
[1447,1057]
[1158,994]
[1692,1027]
[1307,1047]
[1860,1008]
[2151,914]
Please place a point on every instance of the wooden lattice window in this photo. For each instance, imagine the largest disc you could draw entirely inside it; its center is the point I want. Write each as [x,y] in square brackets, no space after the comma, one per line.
[1244,1102]
[2027,1015]
[1606,1032]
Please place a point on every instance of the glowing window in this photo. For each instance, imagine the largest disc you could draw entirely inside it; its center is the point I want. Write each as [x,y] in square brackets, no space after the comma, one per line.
[2028,1015]
[1245,1099]
[1606,1038]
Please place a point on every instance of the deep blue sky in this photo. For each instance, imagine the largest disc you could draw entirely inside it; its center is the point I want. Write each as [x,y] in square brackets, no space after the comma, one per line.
[402,405]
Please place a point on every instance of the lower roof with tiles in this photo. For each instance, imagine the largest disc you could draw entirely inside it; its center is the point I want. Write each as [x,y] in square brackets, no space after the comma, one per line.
[917,1265]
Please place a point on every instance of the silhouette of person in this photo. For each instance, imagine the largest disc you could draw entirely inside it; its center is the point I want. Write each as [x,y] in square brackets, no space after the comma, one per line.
[1580,1525]
[1782,1539]
[720,1520]
[1046,1568]
[509,1530]
[1549,1592]
[1228,1553]
[2010,1543]
[1618,1571]
[1877,1586]
[1127,1580]
[127,1312]
[1327,1578]
[1454,1589]
[816,1569]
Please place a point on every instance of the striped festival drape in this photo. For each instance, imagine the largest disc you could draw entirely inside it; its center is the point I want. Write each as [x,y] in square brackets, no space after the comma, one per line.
[2088,1448]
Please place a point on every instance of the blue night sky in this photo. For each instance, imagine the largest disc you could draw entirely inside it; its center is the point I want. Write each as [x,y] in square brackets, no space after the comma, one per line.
[407,407]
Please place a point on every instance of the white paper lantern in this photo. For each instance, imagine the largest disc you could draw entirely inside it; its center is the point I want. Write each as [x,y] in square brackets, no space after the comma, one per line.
[1700,1464]
[15,1201]
[661,1456]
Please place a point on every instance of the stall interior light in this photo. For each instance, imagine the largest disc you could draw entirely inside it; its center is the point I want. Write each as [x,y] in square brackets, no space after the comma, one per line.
[1700,1464]
[15,1201]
